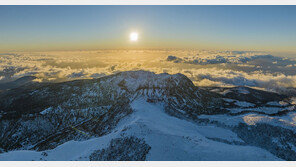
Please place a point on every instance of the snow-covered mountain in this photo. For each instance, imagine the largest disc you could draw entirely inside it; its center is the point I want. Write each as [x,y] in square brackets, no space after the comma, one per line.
[222,57]
[140,115]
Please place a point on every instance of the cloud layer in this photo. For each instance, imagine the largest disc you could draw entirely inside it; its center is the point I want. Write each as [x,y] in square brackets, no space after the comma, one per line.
[204,68]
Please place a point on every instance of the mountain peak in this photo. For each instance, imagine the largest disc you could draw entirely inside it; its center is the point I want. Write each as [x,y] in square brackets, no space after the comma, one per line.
[134,80]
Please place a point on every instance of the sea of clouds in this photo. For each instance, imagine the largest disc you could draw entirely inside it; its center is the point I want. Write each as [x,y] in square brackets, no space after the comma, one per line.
[203,67]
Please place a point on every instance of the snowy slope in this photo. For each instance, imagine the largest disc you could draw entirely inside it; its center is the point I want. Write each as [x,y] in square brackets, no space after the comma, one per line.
[170,138]
[140,115]
[175,139]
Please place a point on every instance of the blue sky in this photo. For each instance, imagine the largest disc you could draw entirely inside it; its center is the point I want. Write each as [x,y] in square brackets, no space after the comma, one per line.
[108,27]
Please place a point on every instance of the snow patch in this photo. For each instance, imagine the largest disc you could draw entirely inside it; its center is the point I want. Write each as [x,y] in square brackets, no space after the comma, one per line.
[46,111]
[244,104]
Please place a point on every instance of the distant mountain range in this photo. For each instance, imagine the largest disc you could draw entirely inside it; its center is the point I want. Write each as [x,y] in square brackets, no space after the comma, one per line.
[140,115]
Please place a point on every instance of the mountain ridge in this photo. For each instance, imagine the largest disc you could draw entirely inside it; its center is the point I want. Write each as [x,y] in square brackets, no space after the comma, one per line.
[45,117]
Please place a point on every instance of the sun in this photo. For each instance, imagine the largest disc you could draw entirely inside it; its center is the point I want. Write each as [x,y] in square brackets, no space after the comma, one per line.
[134,37]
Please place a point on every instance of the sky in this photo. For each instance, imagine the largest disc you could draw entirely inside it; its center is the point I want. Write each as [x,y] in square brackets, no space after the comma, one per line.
[38,28]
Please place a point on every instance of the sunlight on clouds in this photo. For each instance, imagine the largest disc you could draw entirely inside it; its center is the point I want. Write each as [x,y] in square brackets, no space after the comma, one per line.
[204,68]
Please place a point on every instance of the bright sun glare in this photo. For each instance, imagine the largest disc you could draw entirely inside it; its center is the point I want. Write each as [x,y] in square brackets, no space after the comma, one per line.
[134,36]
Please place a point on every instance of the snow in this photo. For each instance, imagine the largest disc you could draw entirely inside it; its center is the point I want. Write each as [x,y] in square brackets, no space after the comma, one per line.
[217,132]
[244,104]
[290,117]
[266,110]
[286,121]
[137,79]
[215,90]
[46,111]
[181,111]
[243,90]
[253,119]
[278,103]
[274,103]
[71,150]
[225,92]
[228,100]
[175,139]
[239,103]
[293,100]
[23,155]
[293,147]
[211,57]
[224,119]
[170,138]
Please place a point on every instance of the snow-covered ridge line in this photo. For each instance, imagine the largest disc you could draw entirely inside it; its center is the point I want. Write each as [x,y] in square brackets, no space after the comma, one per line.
[140,108]
[219,58]
[170,138]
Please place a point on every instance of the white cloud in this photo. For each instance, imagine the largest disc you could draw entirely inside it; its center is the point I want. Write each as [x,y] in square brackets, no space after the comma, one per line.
[204,68]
